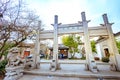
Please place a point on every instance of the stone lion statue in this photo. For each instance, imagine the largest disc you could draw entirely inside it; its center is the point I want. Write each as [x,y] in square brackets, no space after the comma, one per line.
[14,58]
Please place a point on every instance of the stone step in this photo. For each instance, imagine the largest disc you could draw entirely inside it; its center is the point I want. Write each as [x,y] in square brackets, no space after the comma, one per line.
[74,70]
[82,74]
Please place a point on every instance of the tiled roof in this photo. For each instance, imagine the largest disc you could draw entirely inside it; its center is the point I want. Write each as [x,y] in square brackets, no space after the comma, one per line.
[117,34]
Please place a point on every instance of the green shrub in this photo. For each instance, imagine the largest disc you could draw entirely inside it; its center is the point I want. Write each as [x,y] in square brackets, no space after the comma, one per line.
[83,58]
[2,66]
[105,59]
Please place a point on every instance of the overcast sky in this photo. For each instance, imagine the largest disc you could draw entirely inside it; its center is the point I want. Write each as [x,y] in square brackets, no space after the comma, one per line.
[69,11]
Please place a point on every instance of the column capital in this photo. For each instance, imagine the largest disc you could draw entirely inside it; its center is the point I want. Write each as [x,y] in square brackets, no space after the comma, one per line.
[56,19]
[105,19]
[84,18]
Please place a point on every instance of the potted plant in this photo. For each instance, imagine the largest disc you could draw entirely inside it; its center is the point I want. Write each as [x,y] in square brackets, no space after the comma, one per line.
[105,59]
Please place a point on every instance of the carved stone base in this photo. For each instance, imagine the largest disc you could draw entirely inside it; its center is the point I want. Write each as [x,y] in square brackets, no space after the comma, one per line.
[29,63]
[93,67]
[38,65]
[54,66]
[14,73]
[86,67]
[113,67]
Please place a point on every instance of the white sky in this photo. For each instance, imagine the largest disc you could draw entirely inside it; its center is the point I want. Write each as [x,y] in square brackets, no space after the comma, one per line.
[69,11]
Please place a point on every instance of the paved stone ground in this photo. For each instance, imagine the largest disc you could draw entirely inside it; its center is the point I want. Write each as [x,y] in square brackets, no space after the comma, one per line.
[70,72]
[31,77]
[38,77]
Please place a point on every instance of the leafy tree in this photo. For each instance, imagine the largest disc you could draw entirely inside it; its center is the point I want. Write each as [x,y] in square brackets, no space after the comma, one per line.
[93,46]
[118,45]
[72,41]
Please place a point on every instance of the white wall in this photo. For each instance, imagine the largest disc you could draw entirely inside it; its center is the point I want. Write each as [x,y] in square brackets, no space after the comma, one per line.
[117,38]
[100,48]
[99,52]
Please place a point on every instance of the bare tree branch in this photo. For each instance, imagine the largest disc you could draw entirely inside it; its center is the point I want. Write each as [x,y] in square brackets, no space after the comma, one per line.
[18,22]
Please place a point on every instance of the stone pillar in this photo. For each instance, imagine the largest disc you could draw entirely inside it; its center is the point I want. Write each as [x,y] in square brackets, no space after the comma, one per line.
[55,65]
[91,65]
[114,54]
[37,47]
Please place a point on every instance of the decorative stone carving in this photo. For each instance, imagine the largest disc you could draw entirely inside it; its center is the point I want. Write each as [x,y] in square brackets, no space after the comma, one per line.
[54,66]
[93,67]
[14,59]
[29,62]
[113,67]
[15,66]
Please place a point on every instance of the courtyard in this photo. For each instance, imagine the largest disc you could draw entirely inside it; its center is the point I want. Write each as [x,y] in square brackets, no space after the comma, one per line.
[55,43]
[75,70]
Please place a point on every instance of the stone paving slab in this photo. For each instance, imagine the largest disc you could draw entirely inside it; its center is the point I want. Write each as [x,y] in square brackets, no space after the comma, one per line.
[38,77]
[70,72]
[82,74]
[33,77]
